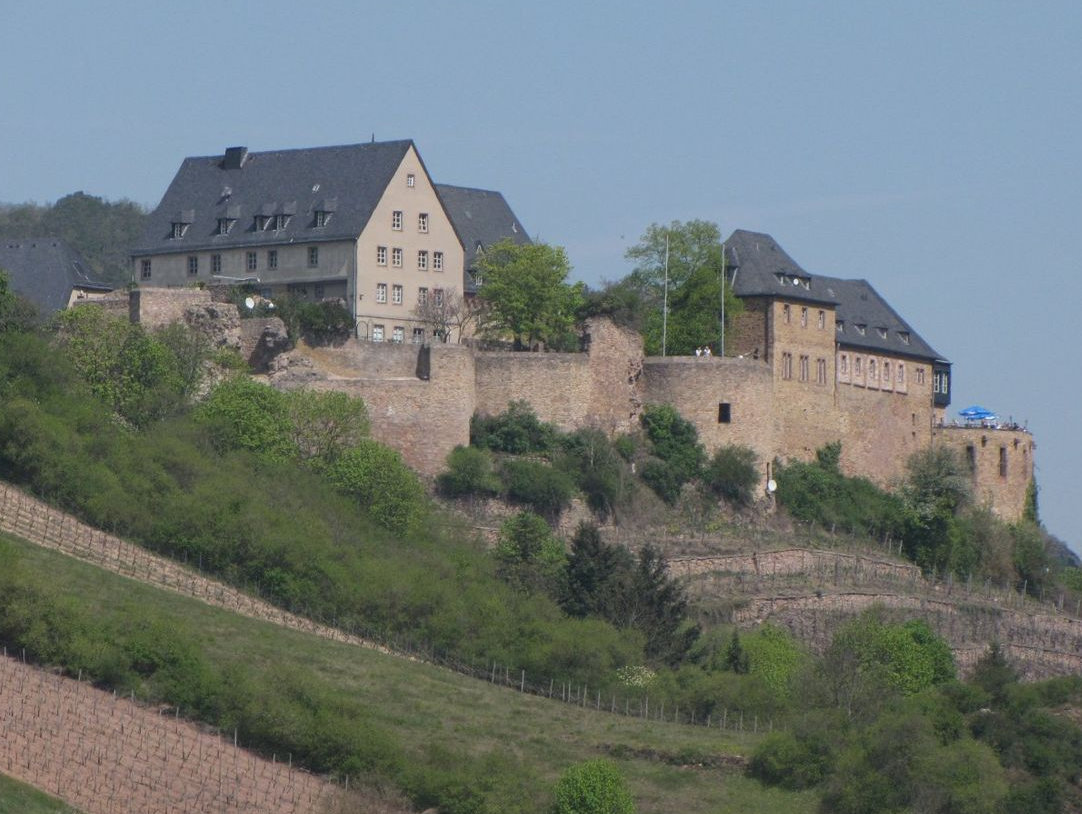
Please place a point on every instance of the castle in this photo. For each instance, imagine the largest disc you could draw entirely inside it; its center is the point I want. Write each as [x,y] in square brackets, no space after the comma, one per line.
[880,403]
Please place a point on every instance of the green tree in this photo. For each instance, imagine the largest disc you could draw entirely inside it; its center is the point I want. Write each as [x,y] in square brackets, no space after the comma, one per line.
[732,473]
[593,787]
[325,423]
[529,556]
[735,657]
[657,605]
[597,576]
[469,472]
[525,294]
[385,487]
[243,414]
[695,262]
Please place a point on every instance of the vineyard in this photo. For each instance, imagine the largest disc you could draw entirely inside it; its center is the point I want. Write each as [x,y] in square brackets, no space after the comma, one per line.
[107,755]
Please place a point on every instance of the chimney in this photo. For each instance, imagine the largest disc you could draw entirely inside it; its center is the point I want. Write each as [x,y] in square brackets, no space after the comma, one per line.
[234,158]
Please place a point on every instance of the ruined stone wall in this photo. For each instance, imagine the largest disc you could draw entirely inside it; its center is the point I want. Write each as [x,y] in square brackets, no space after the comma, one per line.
[557,385]
[1000,461]
[156,307]
[617,388]
[698,387]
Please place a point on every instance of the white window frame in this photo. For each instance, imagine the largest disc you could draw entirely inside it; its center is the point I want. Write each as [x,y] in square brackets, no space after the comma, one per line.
[437,261]
[251,261]
[396,220]
[313,257]
[381,292]
[398,335]
[272,258]
[381,255]
[437,296]
[411,180]
[396,257]
[396,294]
[422,295]
[377,333]
[422,260]
[144,270]
[422,223]
[215,264]
[193,265]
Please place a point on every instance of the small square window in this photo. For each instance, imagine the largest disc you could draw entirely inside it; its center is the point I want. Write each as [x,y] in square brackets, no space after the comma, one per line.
[396,220]
[398,334]
[381,255]
[396,258]
[216,264]
[252,261]
[422,260]
[381,292]
[193,265]
[725,413]
[437,261]
[313,256]
[411,180]
[396,295]
[377,333]
[144,272]
[272,259]
[422,222]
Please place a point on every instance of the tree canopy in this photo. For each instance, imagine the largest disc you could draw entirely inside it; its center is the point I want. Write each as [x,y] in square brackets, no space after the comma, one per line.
[525,294]
[695,264]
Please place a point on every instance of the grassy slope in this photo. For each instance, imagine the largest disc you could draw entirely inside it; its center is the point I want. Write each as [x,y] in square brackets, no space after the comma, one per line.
[424,706]
[16,798]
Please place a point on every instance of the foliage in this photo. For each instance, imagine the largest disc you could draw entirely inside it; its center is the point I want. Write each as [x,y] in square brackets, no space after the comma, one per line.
[241,414]
[674,441]
[469,473]
[444,316]
[657,605]
[936,488]
[772,655]
[539,486]
[324,424]
[732,473]
[695,265]
[317,322]
[735,657]
[1031,559]
[131,370]
[16,312]
[531,558]
[598,469]
[376,476]
[791,761]
[593,787]
[190,350]
[525,293]
[101,231]
[1030,511]
[818,492]
[597,575]
[517,431]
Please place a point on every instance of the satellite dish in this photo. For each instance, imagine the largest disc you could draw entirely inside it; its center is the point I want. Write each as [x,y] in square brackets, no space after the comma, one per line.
[771,486]
[249,303]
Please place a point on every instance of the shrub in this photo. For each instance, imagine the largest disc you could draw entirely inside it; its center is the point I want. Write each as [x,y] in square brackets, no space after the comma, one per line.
[732,473]
[663,479]
[545,490]
[384,486]
[530,557]
[593,787]
[469,472]
[324,424]
[243,414]
[517,431]
[598,469]
[791,761]
[674,440]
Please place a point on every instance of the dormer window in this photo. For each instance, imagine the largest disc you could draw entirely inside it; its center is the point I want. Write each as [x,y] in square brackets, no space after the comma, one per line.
[280,222]
[224,225]
[861,329]
[904,336]
[322,218]
[882,332]
[839,326]
[179,229]
[261,222]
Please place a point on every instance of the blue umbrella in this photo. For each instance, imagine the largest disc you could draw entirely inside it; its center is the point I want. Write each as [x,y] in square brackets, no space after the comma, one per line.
[976,413]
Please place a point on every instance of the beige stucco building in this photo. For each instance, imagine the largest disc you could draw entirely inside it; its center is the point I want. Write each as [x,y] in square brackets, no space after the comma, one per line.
[363,223]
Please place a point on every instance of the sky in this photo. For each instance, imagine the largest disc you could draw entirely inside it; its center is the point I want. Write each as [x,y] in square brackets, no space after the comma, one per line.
[932,148]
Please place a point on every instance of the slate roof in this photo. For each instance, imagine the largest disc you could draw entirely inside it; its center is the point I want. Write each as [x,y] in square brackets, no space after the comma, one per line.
[347,181]
[761,268]
[480,217]
[44,270]
[861,307]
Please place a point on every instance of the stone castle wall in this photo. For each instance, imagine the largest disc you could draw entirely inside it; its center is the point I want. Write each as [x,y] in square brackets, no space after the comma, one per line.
[1000,462]
[699,389]
[777,410]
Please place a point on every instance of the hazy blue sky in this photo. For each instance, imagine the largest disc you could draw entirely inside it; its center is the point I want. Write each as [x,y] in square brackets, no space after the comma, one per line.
[932,149]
